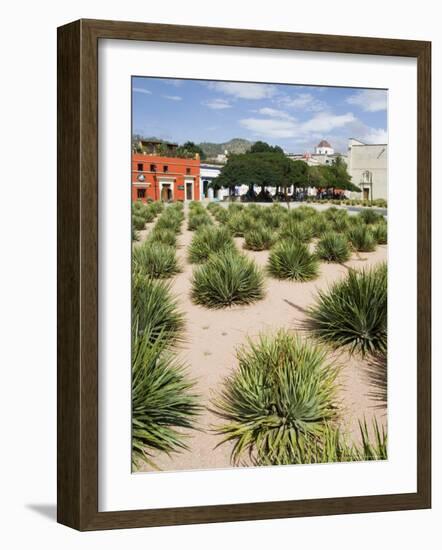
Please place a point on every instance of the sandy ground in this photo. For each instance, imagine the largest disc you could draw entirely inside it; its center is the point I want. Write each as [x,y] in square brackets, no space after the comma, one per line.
[213,335]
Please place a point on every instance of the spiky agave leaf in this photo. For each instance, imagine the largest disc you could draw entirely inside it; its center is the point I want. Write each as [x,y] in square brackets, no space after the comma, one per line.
[333,247]
[227,278]
[258,238]
[154,259]
[380,232]
[361,238]
[156,310]
[198,219]
[300,231]
[352,313]
[164,236]
[209,240]
[292,260]
[162,400]
[279,400]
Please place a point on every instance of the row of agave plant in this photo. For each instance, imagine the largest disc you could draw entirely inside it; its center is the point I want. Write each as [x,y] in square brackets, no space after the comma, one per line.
[163,398]
[143,213]
[281,405]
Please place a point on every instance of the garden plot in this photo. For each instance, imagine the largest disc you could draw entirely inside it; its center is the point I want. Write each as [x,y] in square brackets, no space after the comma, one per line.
[263,306]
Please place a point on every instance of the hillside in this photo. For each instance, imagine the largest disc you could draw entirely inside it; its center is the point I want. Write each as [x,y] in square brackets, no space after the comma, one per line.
[235,145]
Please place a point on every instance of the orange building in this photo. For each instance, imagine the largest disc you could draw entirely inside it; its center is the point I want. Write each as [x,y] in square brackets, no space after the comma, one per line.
[165,178]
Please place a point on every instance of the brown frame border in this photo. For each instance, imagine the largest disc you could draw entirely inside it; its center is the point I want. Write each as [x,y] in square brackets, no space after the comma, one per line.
[77,312]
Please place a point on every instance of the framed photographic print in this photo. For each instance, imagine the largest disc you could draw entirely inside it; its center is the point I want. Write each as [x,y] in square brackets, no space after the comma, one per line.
[243,249]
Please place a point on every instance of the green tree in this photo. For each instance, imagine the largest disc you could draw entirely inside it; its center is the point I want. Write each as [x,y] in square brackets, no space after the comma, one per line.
[263,147]
[191,149]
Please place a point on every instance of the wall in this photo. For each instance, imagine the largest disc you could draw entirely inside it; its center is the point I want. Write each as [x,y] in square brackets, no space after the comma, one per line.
[373,158]
[27,216]
[169,171]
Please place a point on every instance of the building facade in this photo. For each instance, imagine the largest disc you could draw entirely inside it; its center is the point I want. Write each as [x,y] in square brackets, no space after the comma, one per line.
[208,172]
[165,178]
[367,165]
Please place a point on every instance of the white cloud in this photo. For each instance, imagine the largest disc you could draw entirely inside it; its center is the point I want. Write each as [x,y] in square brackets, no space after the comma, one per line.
[313,128]
[369,100]
[173,97]
[304,101]
[244,90]
[324,122]
[268,111]
[141,91]
[217,104]
[270,127]
[375,135]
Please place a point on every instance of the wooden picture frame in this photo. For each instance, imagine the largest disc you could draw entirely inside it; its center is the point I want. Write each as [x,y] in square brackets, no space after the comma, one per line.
[78,274]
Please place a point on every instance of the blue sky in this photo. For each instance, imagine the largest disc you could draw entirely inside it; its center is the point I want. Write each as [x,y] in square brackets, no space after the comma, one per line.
[294,117]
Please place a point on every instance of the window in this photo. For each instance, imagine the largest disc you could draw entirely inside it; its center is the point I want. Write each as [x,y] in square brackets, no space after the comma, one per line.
[153,168]
[165,168]
[140,167]
[141,193]
[188,171]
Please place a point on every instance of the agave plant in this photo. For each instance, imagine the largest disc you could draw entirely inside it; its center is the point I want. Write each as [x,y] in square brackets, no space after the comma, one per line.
[197,220]
[369,216]
[209,240]
[138,222]
[156,310]
[361,238]
[238,223]
[380,232]
[320,225]
[292,260]
[352,313]
[169,221]
[297,231]
[164,236]
[154,259]
[258,238]
[227,278]
[279,401]
[163,402]
[333,247]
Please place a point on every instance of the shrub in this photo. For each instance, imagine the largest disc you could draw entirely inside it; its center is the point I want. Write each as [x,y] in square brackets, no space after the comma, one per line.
[258,238]
[361,238]
[238,224]
[380,233]
[165,236]
[333,247]
[369,216]
[162,401]
[221,215]
[297,231]
[156,311]
[155,259]
[319,225]
[135,234]
[208,240]
[169,222]
[198,220]
[138,222]
[227,279]
[279,401]
[292,260]
[157,207]
[353,312]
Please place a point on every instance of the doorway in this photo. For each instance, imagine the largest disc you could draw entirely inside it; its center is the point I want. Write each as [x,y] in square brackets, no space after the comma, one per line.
[189,190]
[366,193]
[166,192]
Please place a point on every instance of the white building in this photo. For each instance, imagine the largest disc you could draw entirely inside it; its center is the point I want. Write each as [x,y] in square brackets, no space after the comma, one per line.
[367,165]
[324,154]
[324,148]
[208,172]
